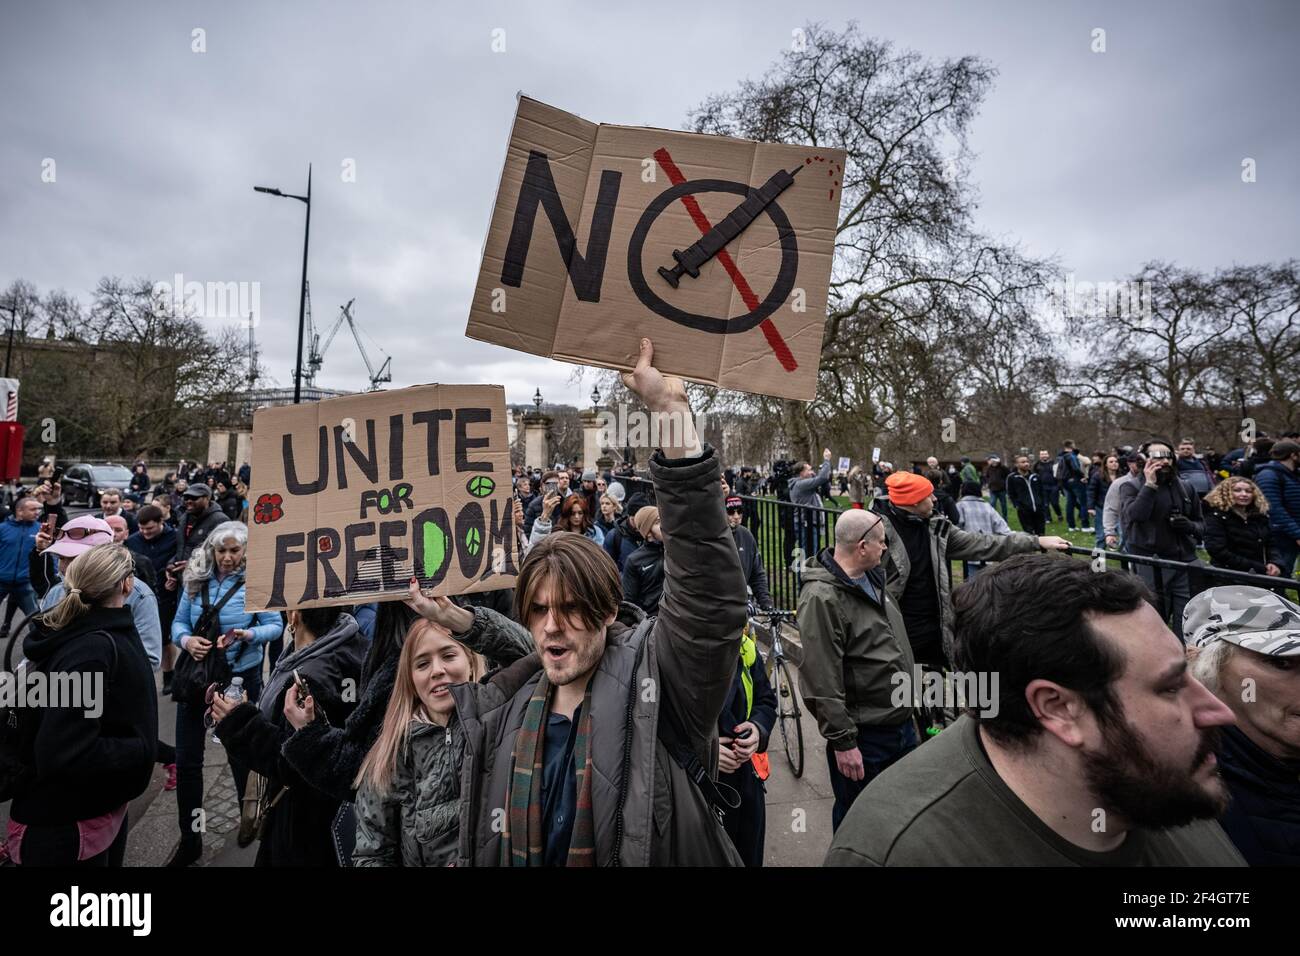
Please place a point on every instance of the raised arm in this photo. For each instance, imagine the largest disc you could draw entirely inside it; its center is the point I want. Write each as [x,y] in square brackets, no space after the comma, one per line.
[703,607]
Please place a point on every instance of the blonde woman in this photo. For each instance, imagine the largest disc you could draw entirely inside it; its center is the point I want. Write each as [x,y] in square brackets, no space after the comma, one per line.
[1237,528]
[610,510]
[89,760]
[408,787]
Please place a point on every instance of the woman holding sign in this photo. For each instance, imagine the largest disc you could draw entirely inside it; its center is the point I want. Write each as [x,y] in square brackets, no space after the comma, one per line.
[211,619]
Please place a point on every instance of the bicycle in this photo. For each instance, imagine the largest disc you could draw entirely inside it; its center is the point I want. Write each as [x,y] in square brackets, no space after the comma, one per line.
[788,714]
[13,653]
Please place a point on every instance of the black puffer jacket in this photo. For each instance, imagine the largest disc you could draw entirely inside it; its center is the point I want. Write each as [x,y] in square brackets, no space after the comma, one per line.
[1263,819]
[1237,541]
[86,766]
[297,831]
[643,576]
[751,562]
[621,543]
[194,530]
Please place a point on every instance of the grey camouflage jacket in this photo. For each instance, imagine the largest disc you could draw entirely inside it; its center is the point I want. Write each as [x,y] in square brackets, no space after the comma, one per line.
[416,823]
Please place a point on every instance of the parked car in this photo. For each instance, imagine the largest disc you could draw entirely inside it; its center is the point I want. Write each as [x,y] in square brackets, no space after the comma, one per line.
[82,483]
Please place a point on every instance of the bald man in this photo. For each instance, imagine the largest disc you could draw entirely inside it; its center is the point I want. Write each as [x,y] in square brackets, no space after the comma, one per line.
[144,570]
[854,644]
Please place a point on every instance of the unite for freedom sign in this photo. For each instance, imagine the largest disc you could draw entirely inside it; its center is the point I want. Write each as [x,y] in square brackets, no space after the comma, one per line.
[353,496]
[718,249]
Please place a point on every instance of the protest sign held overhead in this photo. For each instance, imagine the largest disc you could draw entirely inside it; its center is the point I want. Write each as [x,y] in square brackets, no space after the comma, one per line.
[353,496]
[718,249]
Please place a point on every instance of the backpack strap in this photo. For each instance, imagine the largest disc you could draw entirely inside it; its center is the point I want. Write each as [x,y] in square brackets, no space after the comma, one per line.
[673,736]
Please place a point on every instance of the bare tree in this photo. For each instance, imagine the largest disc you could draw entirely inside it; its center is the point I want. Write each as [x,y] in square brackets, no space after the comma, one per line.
[20,305]
[910,275]
[1262,358]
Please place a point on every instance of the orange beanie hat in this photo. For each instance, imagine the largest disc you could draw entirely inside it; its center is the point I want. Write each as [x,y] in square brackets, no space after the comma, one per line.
[906,488]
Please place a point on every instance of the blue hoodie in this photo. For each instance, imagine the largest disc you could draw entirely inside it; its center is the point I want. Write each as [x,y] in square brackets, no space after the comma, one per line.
[17,538]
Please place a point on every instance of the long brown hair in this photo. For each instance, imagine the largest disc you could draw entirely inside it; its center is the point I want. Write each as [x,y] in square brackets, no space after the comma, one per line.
[404,706]
[580,571]
[566,512]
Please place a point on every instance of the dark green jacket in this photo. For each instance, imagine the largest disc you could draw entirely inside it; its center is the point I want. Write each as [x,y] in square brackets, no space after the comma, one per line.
[853,647]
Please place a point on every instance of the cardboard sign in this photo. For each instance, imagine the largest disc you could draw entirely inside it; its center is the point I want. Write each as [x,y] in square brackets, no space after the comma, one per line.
[718,249]
[354,495]
[844,464]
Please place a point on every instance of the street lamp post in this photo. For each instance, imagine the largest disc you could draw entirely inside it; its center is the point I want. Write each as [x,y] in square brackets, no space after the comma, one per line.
[13,319]
[302,293]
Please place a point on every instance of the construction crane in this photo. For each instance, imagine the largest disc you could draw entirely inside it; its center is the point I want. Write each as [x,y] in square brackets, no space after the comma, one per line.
[316,356]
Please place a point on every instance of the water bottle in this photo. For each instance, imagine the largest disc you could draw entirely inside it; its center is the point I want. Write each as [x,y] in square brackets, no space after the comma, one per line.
[232,693]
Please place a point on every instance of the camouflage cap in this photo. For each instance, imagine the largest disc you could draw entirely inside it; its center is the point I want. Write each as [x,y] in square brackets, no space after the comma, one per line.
[1253,618]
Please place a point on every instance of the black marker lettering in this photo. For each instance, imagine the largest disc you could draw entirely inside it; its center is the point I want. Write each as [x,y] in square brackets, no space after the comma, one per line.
[391,558]
[430,419]
[538,188]
[362,529]
[291,481]
[369,464]
[465,417]
[284,556]
[470,533]
[318,560]
[502,528]
[395,448]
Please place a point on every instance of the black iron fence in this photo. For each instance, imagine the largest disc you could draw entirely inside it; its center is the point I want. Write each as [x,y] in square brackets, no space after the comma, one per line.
[789,534]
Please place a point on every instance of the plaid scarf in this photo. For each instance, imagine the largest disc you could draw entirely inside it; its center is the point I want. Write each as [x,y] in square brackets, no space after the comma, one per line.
[523,843]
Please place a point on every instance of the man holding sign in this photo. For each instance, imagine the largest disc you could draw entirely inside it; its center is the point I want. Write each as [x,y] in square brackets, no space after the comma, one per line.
[576,754]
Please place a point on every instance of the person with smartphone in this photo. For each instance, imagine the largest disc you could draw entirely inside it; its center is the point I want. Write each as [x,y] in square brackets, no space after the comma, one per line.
[17,539]
[553,483]
[324,664]
[1162,518]
[211,619]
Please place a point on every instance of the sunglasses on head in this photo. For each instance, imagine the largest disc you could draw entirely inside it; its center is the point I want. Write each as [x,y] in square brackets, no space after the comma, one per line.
[76,534]
[870,529]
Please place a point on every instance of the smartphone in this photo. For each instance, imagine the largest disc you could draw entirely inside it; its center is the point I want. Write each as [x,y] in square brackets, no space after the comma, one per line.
[301,686]
[552,487]
[51,521]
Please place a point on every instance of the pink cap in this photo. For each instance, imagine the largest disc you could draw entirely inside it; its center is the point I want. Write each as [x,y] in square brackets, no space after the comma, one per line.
[97,531]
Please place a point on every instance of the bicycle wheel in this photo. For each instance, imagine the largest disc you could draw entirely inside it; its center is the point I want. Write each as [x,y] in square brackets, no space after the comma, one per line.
[788,716]
[14,647]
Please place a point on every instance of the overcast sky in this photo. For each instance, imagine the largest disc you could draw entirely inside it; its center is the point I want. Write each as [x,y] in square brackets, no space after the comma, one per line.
[1104,160]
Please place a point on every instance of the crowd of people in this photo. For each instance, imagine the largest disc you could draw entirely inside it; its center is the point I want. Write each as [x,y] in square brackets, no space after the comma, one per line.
[613,707]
